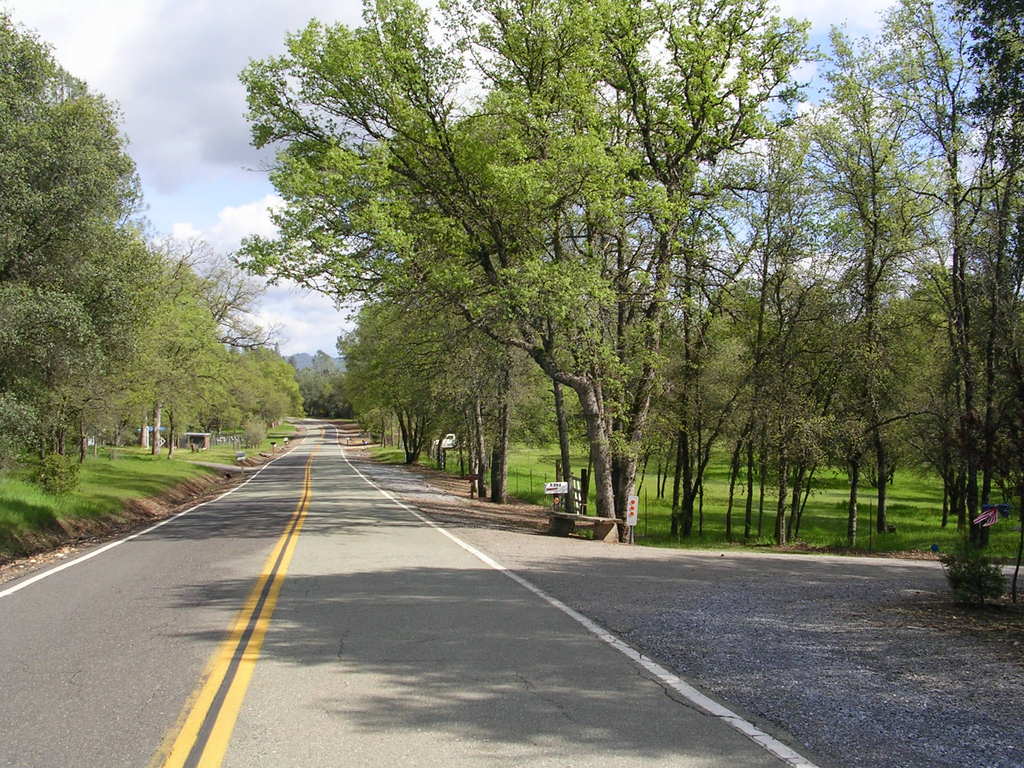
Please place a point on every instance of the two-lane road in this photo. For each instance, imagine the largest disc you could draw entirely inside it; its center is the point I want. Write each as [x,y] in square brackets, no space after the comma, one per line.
[305,619]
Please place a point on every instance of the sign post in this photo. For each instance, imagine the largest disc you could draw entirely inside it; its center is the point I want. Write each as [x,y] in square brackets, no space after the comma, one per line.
[556,490]
[632,512]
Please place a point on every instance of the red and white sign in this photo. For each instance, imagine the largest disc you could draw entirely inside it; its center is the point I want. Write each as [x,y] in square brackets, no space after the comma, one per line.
[632,509]
[556,488]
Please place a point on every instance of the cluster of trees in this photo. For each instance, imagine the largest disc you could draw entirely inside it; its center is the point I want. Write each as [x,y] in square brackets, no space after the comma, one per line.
[628,200]
[322,385]
[101,329]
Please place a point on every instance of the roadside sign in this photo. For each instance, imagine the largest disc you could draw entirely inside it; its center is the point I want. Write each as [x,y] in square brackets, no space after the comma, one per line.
[552,488]
[632,510]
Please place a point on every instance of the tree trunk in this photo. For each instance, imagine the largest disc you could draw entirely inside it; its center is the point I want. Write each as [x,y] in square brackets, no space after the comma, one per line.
[780,511]
[170,435]
[748,511]
[882,469]
[794,511]
[82,440]
[480,449]
[499,455]
[688,494]
[1020,542]
[600,450]
[155,441]
[410,438]
[563,439]
[734,470]
[803,505]
[624,478]
[676,482]
[642,473]
[945,499]
[958,501]
[700,506]
[851,509]
[762,469]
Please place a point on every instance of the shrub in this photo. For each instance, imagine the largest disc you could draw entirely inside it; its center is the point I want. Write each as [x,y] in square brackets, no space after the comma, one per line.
[255,433]
[56,474]
[972,575]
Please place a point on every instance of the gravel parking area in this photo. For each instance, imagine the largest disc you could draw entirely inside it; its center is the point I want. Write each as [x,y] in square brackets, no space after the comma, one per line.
[854,661]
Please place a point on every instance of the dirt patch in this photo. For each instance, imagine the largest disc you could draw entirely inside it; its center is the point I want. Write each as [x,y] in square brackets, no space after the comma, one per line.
[803,547]
[997,627]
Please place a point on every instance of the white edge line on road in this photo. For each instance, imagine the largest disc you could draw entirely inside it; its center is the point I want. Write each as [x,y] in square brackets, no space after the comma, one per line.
[107,547]
[684,689]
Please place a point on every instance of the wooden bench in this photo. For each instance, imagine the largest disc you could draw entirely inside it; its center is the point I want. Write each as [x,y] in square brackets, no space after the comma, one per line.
[605,528]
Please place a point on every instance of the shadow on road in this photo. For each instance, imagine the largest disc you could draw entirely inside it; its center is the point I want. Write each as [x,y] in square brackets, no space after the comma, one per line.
[467,653]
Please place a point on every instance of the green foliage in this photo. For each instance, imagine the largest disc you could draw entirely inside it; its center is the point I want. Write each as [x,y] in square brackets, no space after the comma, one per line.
[255,434]
[18,426]
[997,29]
[56,474]
[26,510]
[323,389]
[73,276]
[97,326]
[552,212]
[394,358]
[257,383]
[972,575]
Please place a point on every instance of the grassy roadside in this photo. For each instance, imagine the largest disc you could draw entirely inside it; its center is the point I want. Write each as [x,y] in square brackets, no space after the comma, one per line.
[221,454]
[915,508]
[29,515]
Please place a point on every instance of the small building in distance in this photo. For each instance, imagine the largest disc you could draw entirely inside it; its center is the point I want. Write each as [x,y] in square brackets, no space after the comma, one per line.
[197,441]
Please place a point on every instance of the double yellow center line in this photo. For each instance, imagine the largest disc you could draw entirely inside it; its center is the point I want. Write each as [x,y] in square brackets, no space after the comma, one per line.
[201,738]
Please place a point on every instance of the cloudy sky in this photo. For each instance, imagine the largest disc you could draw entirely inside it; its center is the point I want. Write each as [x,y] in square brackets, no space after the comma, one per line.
[172,66]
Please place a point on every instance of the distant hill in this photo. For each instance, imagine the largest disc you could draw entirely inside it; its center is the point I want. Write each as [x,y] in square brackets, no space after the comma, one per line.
[321,359]
[300,361]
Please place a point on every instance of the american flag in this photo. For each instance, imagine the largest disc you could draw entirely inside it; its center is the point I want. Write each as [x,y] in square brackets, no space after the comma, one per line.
[989,515]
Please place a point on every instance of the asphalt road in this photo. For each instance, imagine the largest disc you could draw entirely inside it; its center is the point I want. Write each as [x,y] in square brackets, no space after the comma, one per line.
[307,620]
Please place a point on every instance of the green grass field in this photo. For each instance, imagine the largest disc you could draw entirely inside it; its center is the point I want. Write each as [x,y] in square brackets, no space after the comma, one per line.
[915,508]
[105,484]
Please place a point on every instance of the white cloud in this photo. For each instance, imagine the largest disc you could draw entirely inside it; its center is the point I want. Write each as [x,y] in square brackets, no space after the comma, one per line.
[305,321]
[806,72]
[173,67]
[183,230]
[861,16]
[234,222]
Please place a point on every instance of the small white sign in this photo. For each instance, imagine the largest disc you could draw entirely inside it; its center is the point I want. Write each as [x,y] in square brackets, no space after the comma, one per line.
[553,488]
[632,509]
